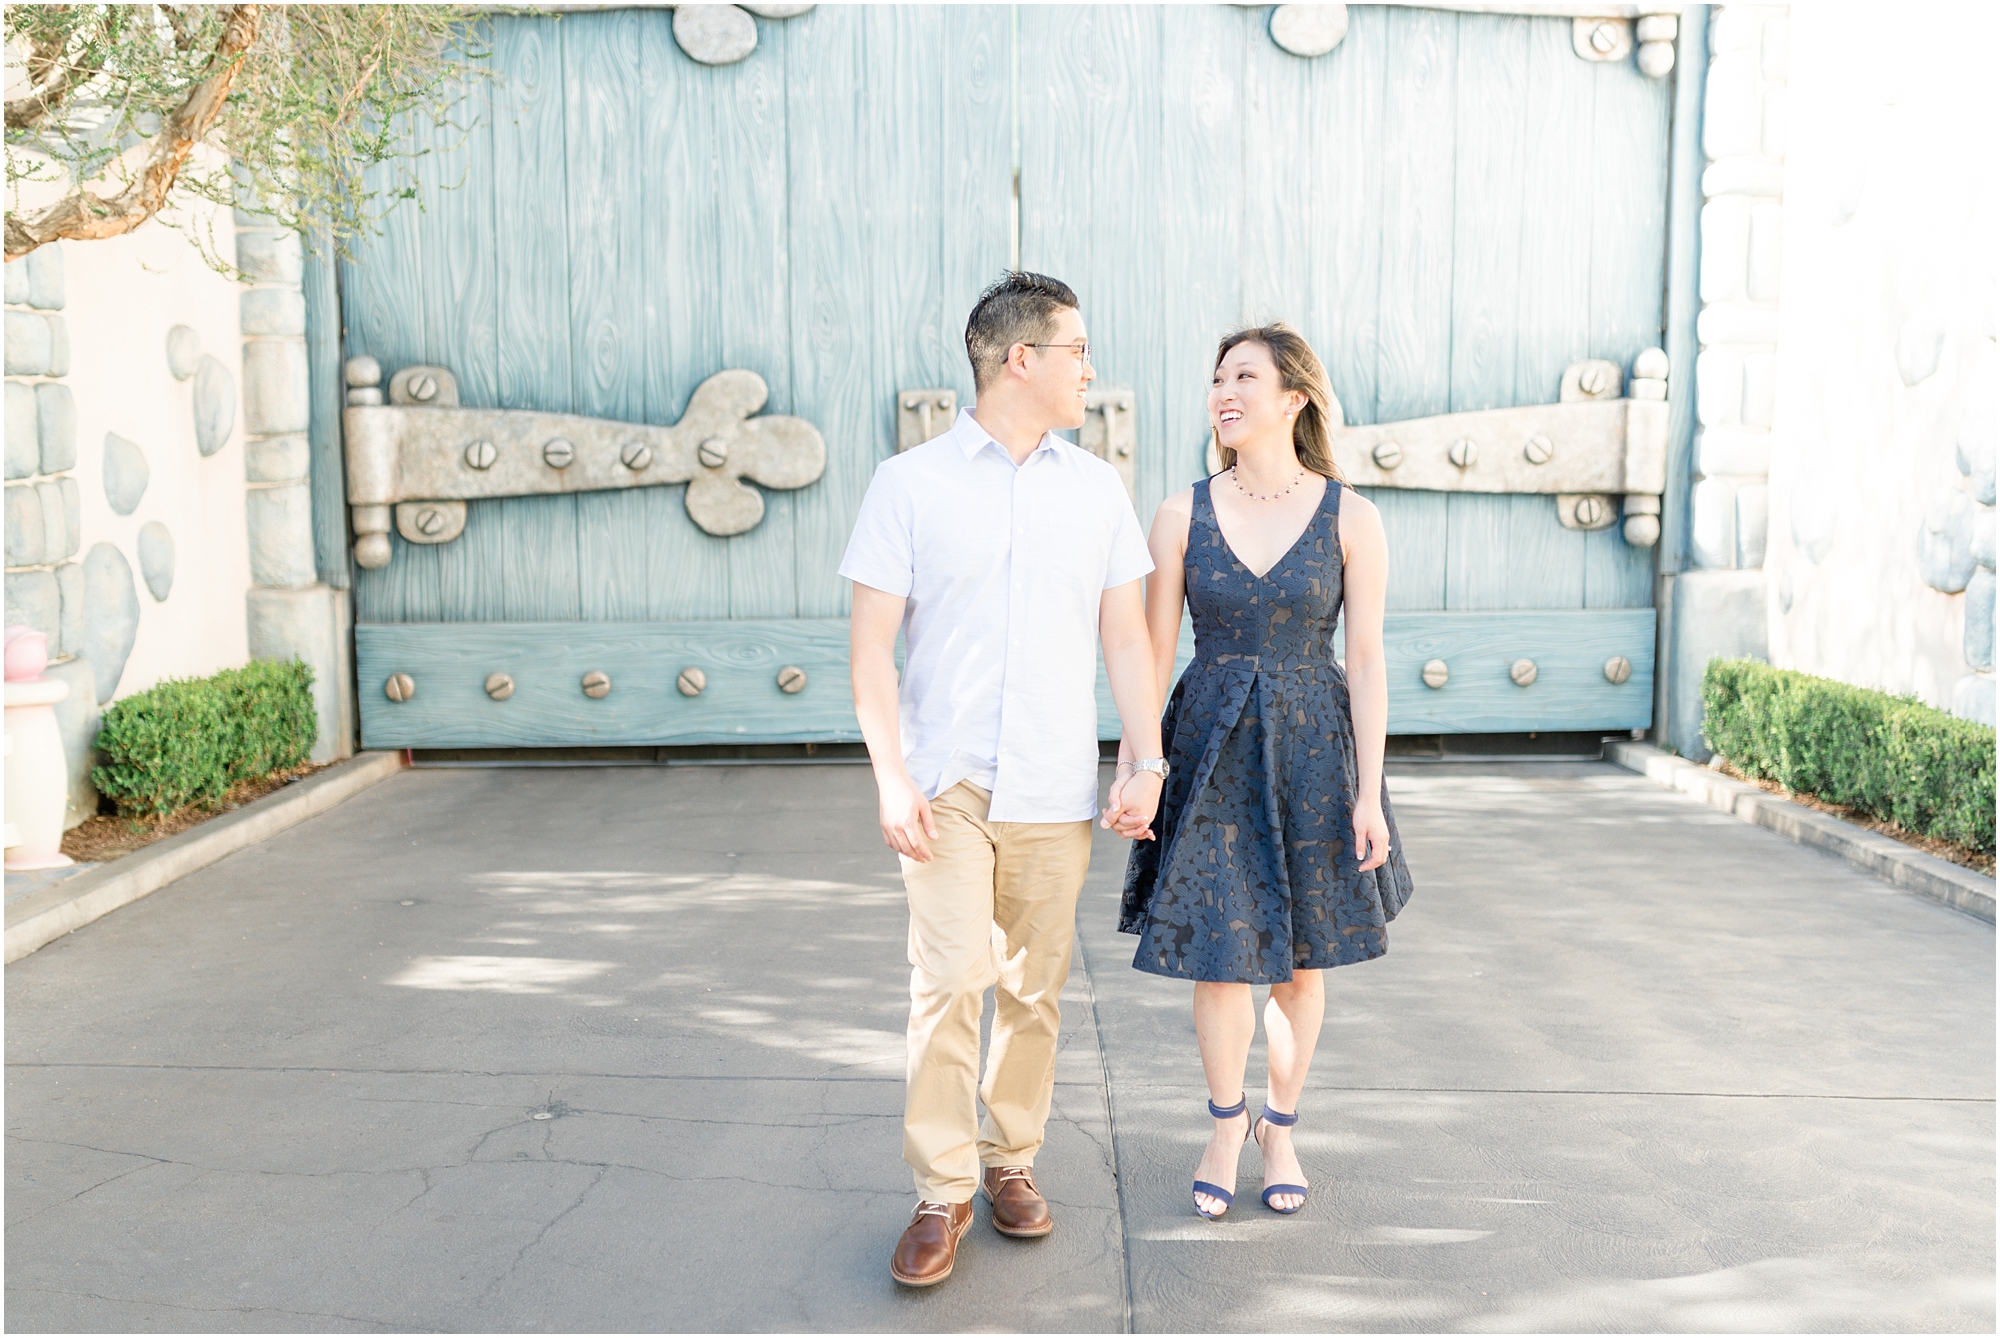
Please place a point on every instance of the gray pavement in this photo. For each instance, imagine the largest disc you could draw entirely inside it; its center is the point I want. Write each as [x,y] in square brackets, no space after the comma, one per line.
[620,1049]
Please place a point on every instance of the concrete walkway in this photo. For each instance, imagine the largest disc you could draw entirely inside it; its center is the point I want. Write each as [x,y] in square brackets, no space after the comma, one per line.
[621,1049]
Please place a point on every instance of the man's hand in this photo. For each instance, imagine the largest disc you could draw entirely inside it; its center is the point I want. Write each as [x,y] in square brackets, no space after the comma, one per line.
[1134,799]
[1371,829]
[906,819]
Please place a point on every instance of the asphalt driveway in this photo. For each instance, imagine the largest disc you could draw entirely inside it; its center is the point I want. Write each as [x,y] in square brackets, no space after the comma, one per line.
[621,1049]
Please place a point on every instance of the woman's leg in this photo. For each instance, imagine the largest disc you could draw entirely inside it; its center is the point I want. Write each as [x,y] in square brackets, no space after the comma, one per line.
[1225,1021]
[1291,1028]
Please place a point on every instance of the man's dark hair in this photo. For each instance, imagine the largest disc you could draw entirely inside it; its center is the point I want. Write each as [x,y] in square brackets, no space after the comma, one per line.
[1021,308]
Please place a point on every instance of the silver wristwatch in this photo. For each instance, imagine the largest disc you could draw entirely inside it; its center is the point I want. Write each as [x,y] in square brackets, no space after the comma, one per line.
[1156,765]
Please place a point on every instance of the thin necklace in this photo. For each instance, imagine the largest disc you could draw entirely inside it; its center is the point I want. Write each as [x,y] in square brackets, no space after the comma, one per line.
[1296,478]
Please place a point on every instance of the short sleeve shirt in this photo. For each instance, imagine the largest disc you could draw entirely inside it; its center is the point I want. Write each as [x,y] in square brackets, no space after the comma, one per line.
[1003,567]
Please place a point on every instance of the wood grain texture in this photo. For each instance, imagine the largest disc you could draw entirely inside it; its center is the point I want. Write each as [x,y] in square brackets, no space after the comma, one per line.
[975,156]
[1416,525]
[1554,265]
[1488,209]
[1199,282]
[547,660]
[1628,224]
[832,342]
[326,392]
[668,567]
[1413,349]
[530,228]
[1343,297]
[1569,649]
[1615,574]
[1508,551]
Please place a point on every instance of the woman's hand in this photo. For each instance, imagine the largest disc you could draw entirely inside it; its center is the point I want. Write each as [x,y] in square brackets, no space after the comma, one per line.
[1134,798]
[906,818]
[1371,834]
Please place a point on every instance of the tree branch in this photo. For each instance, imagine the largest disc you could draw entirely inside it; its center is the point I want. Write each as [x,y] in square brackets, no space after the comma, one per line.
[84,215]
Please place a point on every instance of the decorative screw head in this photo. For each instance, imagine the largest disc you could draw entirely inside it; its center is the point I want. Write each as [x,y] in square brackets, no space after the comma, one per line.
[1387,455]
[636,455]
[713,453]
[399,688]
[1594,380]
[912,401]
[691,681]
[1588,511]
[596,684]
[791,678]
[423,388]
[1539,450]
[499,687]
[1604,39]
[430,520]
[558,454]
[481,454]
[1436,673]
[1618,669]
[1523,672]
[1464,453]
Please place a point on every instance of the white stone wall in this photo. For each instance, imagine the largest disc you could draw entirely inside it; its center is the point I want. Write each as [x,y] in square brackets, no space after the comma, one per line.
[159,557]
[1880,555]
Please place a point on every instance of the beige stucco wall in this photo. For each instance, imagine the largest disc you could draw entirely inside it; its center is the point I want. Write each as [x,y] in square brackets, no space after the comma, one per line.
[125,293]
[1886,359]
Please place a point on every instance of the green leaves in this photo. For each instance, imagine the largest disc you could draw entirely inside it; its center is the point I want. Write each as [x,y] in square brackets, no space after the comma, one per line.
[1890,757]
[187,740]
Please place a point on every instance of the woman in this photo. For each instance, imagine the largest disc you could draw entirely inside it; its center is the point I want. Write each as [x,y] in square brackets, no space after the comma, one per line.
[1276,855]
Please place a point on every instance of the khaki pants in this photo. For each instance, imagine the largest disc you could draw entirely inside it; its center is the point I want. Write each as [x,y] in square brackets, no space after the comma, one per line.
[995,905]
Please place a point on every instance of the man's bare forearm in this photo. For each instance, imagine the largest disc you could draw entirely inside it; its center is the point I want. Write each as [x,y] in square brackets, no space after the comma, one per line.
[1130,668]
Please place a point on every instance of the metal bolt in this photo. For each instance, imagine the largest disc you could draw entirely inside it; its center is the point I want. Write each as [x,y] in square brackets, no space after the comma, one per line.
[1588,511]
[1617,669]
[636,455]
[1464,453]
[430,520]
[596,684]
[713,453]
[1604,39]
[1522,672]
[691,682]
[912,401]
[558,454]
[791,678]
[1594,380]
[423,388]
[1436,673]
[481,454]
[1539,450]
[399,688]
[499,687]
[1388,455]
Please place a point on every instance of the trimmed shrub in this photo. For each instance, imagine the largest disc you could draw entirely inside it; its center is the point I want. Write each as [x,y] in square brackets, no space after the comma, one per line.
[187,740]
[1890,757]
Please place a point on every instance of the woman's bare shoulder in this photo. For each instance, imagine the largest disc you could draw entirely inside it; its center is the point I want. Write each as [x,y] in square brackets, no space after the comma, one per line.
[1180,504]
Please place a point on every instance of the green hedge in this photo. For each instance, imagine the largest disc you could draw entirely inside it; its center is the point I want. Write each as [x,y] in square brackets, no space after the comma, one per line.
[1891,757]
[187,740]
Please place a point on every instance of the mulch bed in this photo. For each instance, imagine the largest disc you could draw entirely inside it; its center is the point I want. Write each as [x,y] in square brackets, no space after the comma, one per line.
[1979,861]
[110,835]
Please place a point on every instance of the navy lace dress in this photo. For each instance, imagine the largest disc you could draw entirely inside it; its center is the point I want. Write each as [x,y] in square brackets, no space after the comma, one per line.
[1253,875]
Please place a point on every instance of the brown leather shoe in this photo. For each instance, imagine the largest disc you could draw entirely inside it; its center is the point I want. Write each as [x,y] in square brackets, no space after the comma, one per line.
[1018,1207]
[929,1247]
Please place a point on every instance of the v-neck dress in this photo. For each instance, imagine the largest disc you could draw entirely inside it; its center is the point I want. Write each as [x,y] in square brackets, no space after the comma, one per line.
[1253,875]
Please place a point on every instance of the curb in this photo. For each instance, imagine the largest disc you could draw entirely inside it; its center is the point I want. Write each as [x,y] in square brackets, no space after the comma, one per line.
[42,917]
[1906,868]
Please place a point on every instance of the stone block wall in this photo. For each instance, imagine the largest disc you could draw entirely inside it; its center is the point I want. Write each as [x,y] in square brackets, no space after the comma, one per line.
[1881,541]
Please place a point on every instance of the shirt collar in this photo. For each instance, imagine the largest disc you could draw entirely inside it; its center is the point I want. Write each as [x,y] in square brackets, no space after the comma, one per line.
[972,438]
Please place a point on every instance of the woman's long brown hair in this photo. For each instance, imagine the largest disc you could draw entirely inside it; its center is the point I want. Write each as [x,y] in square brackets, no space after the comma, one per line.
[1300,369]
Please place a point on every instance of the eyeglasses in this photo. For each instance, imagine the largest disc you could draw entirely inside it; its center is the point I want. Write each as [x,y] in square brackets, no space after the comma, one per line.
[1082,350]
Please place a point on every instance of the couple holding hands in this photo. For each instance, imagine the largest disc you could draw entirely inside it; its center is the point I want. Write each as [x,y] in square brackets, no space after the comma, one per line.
[1264,848]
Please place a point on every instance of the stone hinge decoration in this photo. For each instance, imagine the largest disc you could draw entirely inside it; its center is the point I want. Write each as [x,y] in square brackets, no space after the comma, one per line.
[424,457]
[1589,449]
[1109,431]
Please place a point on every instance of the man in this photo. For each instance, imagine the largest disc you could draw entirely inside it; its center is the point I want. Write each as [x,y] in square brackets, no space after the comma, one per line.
[1003,553]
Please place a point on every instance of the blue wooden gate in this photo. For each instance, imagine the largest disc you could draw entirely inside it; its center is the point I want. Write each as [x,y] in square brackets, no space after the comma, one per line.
[1453,207]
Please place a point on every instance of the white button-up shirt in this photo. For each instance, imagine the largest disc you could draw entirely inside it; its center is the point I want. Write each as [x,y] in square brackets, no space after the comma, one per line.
[1003,567]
